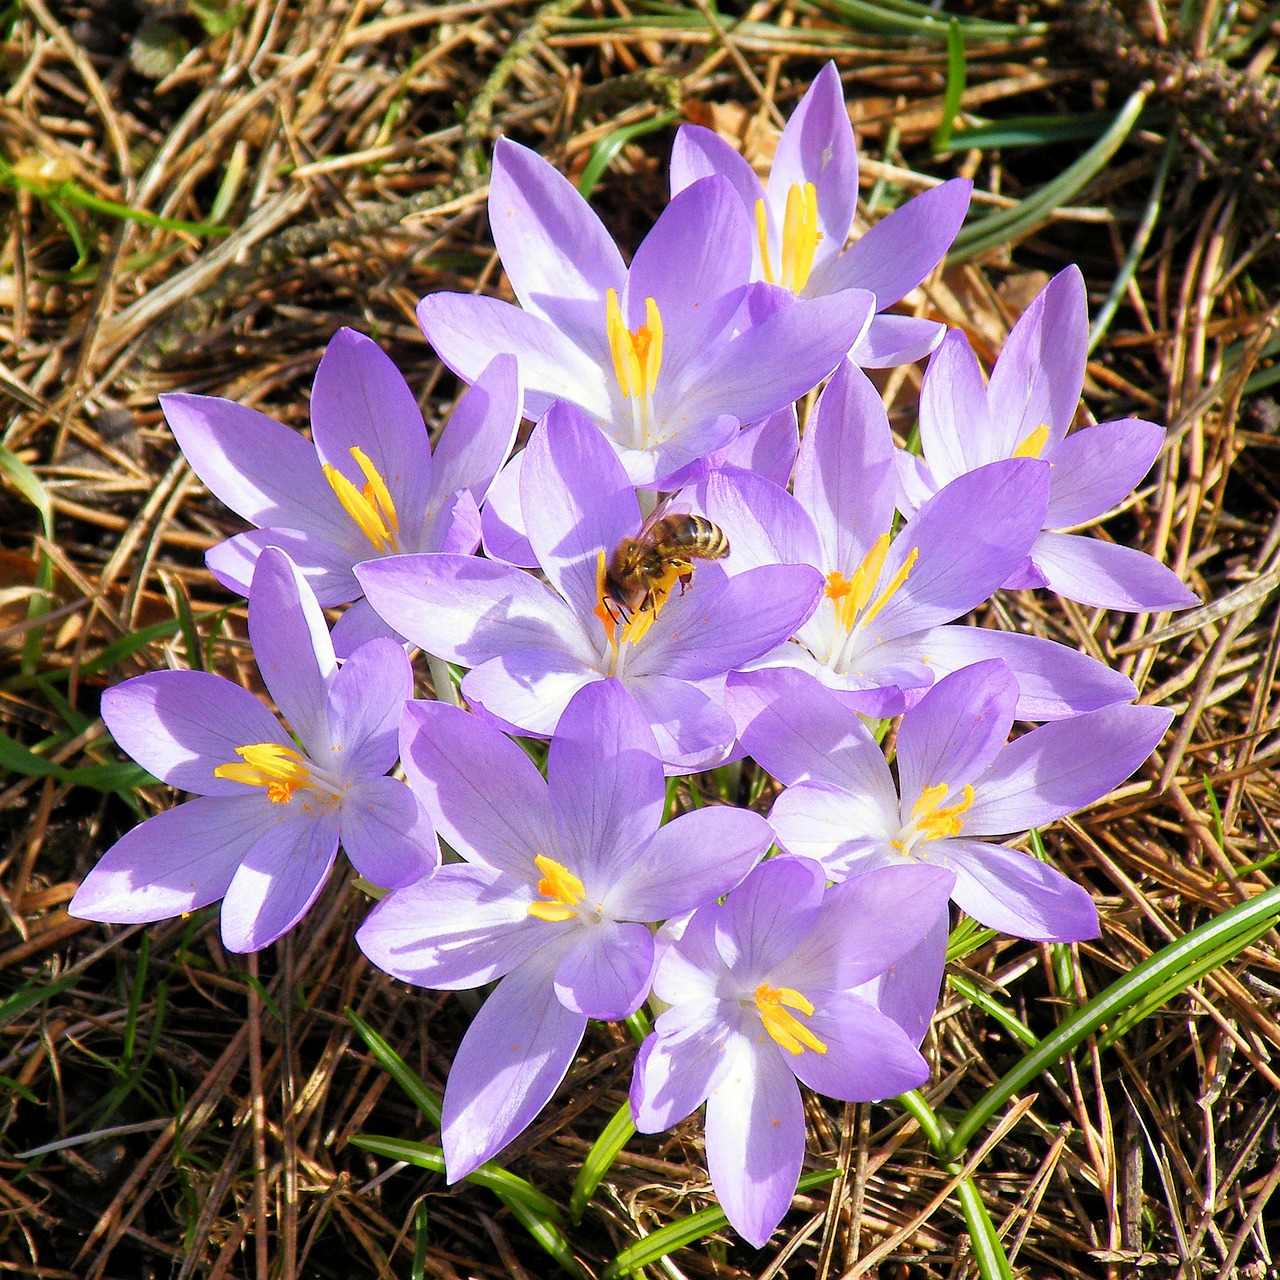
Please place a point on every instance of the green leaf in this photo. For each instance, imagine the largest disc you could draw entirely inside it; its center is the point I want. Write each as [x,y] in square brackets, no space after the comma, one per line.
[1170,970]
[953,95]
[617,1133]
[604,151]
[396,1067]
[689,1230]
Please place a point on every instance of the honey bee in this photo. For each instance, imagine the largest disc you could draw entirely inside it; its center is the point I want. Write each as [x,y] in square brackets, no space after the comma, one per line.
[642,571]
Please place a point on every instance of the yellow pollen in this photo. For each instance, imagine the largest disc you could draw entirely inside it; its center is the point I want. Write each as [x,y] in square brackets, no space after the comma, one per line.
[561,891]
[852,595]
[636,356]
[783,1026]
[372,508]
[892,589]
[608,619]
[936,821]
[800,236]
[1032,446]
[280,769]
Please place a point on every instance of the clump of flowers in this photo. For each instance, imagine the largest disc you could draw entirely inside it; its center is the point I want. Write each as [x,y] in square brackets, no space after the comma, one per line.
[670,580]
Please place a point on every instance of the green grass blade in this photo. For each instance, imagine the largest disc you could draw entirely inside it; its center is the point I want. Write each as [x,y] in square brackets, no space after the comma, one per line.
[1168,971]
[688,1230]
[603,153]
[994,1010]
[953,96]
[396,1067]
[617,1133]
[1001,228]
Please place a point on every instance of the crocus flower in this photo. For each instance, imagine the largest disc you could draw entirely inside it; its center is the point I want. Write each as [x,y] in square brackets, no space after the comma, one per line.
[1024,412]
[760,996]
[804,213]
[368,486]
[960,784]
[532,645]
[652,353]
[880,634]
[270,811]
[558,884]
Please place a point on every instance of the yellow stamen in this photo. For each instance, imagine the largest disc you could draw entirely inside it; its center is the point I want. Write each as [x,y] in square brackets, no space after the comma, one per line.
[561,891]
[852,595]
[1032,446]
[800,236]
[894,583]
[935,821]
[762,235]
[785,1027]
[637,356]
[372,508]
[280,769]
[603,610]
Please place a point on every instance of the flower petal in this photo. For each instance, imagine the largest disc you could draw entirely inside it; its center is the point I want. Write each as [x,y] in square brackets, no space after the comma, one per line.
[890,340]
[386,834]
[1017,894]
[755,1140]
[452,760]
[176,862]
[955,431]
[502,521]
[510,1062]
[326,565]
[845,832]
[908,990]
[1108,576]
[462,927]
[764,523]
[180,725]
[768,916]
[367,698]
[678,1067]
[700,153]
[690,728]
[292,648]
[606,973]
[1097,468]
[480,432]
[527,690]
[1063,766]
[278,880]
[868,1055]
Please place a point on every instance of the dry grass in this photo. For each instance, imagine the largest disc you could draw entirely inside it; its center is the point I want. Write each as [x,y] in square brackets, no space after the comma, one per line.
[342,144]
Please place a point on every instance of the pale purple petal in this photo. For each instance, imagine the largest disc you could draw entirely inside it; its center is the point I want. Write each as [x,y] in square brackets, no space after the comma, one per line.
[357,626]
[1097,468]
[866,924]
[467,332]
[527,689]
[900,250]
[462,927]
[365,705]
[1062,767]
[846,832]
[606,785]
[1108,576]
[361,400]
[890,340]
[481,430]
[502,521]
[181,725]
[677,1068]
[700,153]
[1053,680]
[176,862]
[278,880]
[693,860]
[467,610]
[555,250]
[262,470]
[456,528]
[386,834]
[955,433]
[326,565]
[916,484]
[576,501]
[764,523]
[293,651]
[1040,373]
[956,729]
[817,146]
[452,760]
[755,1140]
[511,1060]
[768,915]
[1017,894]
[607,971]
[690,968]
[778,360]
[797,730]
[767,449]
[845,475]
[868,1055]
[908,990]
[690,728]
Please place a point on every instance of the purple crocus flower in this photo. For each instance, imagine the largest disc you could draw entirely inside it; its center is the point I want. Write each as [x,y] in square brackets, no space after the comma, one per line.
[804,213]
[559,882]
[1024,412]
[880,635]
[959,784]
[368,486]
[271,811]
[532,645]
[653,353]
[760,996]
